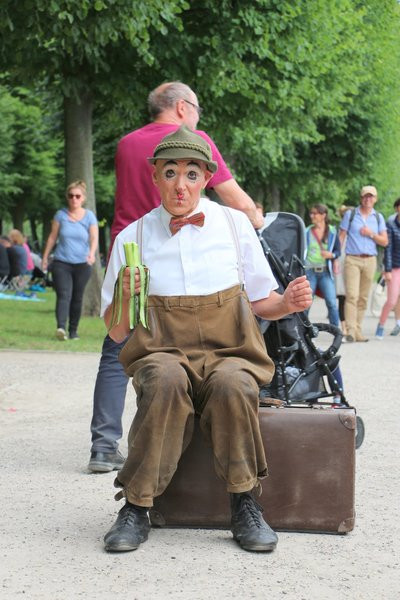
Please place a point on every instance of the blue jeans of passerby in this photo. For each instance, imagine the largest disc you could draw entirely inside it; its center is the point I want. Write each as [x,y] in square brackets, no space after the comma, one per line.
[326,285]
[108,399]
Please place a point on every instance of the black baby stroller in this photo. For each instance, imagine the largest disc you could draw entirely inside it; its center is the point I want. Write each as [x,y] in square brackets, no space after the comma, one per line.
[304,372]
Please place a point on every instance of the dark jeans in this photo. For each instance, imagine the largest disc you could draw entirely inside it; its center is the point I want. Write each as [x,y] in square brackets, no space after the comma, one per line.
[108,399]
[69,281]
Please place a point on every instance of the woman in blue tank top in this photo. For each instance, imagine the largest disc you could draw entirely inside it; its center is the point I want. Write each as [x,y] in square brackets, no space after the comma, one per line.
[76,232]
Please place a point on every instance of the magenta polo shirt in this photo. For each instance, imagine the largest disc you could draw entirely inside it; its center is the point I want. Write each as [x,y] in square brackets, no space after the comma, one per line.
[136,193]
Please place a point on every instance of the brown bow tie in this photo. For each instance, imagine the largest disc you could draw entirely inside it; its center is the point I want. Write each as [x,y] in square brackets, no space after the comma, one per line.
[176,223]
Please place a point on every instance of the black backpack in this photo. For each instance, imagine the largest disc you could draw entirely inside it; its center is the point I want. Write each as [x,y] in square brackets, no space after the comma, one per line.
[353,212]
[379,248]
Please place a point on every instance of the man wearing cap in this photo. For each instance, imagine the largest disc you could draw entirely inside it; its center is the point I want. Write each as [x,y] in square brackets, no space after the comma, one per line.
[203,353]
[362,229]
[171,105]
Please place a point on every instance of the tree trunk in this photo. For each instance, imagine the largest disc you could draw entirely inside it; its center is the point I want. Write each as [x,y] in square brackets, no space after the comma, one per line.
[274,198]
[34,235]
[301,209]
[18,213]
[79,165]
[46,228]
[104,242]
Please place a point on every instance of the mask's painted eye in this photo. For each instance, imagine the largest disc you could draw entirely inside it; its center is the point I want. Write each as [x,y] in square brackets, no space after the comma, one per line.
[193,175]
[169,173]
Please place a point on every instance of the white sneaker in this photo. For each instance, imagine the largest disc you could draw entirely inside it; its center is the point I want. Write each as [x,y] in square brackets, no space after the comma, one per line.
[61,335]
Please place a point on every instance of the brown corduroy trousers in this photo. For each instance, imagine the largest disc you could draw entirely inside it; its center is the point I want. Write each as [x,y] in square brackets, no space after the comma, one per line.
[204,355]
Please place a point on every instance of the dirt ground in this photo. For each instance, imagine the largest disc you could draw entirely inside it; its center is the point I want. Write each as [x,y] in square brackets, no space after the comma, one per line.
[54,513]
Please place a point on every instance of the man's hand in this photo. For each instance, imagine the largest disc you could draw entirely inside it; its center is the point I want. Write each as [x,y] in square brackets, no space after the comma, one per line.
[126,283]
[257,220]
[387,276]
[119,332]
[298,295]
[296,298]
[366,231]
[327,254]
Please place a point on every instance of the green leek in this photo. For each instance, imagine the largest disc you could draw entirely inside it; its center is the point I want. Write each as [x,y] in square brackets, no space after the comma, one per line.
[138,309]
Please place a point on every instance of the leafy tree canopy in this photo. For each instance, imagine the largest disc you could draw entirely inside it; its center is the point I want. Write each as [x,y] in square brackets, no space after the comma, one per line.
[29,152]
[78,42]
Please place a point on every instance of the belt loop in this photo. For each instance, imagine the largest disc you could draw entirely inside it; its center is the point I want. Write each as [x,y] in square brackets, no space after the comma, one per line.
[220,300]
[166,304]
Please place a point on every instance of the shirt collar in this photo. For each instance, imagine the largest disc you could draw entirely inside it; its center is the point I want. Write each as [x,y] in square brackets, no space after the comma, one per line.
[358,209]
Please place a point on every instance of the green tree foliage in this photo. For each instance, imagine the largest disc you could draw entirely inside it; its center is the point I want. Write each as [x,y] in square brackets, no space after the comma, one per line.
[301,97]
[8,179]
[292,88]
[30,149]
[285,87]
[381,99]
[83,46]
[361,146]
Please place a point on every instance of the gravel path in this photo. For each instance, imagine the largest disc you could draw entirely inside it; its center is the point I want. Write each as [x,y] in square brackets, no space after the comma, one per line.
[54,513]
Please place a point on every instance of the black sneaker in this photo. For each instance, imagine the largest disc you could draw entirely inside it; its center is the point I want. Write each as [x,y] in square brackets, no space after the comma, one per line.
[102,462]
[248,526]
[73,335]
[129,530]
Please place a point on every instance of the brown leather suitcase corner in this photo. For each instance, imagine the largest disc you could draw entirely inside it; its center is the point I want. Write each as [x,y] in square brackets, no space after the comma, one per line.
[310,487]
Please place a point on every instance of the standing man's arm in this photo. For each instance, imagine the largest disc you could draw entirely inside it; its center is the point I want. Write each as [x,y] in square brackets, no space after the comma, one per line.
[227,188]
[232,195]
[342,237]
[344,227]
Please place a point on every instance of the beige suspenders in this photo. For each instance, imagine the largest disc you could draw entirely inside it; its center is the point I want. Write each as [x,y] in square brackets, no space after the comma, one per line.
[235,237]
[139,238]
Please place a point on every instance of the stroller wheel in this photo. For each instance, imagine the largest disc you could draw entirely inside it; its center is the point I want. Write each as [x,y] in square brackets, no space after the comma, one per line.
[360,431]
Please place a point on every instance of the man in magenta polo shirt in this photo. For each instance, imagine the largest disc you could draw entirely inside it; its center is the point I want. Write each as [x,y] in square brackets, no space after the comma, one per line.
[171,105]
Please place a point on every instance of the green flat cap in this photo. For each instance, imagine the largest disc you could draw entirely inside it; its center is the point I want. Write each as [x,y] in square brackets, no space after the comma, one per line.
[183,144]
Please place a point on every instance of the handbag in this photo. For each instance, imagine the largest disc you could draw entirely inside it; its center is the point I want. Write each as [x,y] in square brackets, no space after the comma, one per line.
[378,296]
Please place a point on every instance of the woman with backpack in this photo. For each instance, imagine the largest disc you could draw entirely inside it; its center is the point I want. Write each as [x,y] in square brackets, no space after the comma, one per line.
[323,247]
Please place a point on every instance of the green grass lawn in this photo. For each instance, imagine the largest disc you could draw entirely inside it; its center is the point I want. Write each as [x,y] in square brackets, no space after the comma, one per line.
[31,326]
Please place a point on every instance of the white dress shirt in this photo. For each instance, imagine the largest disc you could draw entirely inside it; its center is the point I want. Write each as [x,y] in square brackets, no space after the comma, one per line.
[196,260]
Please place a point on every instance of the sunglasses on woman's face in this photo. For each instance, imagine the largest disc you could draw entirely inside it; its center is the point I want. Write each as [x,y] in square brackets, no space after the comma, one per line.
[75,196]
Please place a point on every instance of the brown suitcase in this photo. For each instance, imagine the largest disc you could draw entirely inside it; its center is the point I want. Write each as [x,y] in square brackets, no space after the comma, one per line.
[310,487]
